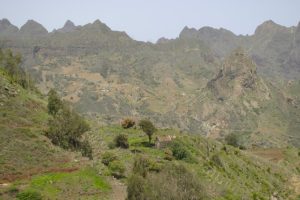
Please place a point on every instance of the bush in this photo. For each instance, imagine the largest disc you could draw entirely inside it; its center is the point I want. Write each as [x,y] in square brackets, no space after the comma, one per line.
[86,149]
[66,128]
[179,151]
[108,157]
[54,102]
[141,166]
[147,128]
[173,182]
[127,123]
[121,140]
[29,195]
[117,169]
[168,154]
[136,188]
[12,65]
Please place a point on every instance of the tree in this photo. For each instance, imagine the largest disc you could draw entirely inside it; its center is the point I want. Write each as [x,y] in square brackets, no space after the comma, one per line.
[148,128]
[66,128]
[54,102]
[121,140]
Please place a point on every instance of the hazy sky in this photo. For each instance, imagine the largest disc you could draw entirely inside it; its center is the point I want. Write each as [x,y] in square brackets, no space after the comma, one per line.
[149,20]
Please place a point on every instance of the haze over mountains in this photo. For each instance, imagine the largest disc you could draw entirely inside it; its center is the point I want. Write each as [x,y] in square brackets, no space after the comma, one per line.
[207,81]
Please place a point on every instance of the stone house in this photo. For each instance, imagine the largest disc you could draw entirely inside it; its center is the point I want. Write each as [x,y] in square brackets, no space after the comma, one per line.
[163,141]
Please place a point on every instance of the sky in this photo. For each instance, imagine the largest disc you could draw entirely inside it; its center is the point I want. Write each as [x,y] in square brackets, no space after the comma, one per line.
[149,20]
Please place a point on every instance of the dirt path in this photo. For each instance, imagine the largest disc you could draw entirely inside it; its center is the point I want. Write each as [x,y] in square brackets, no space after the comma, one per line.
[118,190]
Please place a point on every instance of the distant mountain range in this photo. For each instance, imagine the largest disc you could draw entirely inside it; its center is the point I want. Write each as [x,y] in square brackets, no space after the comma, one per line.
[208,81]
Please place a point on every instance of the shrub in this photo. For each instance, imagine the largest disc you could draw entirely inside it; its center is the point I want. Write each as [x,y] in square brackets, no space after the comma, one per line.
[121,140]
[108,157]
[86,149]
[168,154]
[141,166]
[54,102]
[173,182]
[147,128]
[117,169]
[29,195]
[179,151]
[136,188]
[12,65]
[66,128]
[127,123]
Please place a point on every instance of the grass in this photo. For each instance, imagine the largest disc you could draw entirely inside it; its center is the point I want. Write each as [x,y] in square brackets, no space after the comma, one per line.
[85,183]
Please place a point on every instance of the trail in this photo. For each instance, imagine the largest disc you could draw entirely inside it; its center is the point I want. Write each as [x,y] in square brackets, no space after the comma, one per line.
[118,190]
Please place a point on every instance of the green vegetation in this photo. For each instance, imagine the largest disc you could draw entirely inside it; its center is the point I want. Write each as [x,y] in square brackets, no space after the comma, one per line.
[54,102]
[117,168]
[121,140]
[172,182]
[108,157]
[148,128]
[69,185]
[66,127]
[29,195]
[12,65]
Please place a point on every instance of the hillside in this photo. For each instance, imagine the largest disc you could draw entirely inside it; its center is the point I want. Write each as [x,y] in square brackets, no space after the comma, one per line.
[30,163]
[28,160]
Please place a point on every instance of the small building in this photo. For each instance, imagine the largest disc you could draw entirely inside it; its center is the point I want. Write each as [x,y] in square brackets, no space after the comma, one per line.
[163,141]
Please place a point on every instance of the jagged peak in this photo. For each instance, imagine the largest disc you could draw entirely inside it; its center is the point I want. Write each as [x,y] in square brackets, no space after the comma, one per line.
[98,25]
[33,27]
[68,27]
[6,25]
[5,22]
[188,32]
[69,23]
[268,26]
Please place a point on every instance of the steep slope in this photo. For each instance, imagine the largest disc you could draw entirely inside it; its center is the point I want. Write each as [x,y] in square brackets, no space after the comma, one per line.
[240,101]
[29,163]
[24,149]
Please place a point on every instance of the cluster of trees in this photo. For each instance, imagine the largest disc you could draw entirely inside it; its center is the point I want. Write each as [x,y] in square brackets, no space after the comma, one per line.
[66,127]
[173,181]
[12,65]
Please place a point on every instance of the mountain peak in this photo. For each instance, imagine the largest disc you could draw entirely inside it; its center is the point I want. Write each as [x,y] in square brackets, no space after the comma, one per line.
[5,22]
[267,27]
[34,28]
[6,25]
[188,33]
[68,27]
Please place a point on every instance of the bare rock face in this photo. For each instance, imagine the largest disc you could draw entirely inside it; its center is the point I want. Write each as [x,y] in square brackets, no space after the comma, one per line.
[32,27]
[238,73]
